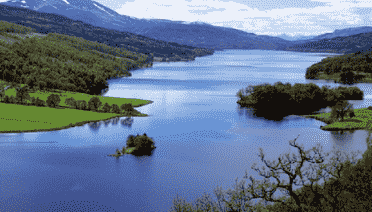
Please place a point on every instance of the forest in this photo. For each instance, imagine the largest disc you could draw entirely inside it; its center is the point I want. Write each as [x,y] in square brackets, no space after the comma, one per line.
[299,99]
[63,62]
[347,69]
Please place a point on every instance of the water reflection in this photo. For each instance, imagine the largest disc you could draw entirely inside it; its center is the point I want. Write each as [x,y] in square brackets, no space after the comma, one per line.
[125,122]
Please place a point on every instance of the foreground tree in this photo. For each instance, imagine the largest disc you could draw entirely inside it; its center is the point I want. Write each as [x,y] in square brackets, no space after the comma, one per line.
[310,197]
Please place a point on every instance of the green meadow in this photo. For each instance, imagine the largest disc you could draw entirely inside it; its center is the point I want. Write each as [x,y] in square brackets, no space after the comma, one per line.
[22,118]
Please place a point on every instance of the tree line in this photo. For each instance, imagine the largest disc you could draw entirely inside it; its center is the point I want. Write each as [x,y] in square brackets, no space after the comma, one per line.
[279,100]
[94,104]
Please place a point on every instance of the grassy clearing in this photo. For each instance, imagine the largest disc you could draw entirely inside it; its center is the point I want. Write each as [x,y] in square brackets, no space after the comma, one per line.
[361,121]
[21,118]
[337,77]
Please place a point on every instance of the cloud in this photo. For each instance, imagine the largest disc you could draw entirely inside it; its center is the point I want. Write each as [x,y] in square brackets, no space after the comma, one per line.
[271,17]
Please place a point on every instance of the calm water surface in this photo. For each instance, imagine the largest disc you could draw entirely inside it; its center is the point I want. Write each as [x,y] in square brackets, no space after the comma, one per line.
[203,138]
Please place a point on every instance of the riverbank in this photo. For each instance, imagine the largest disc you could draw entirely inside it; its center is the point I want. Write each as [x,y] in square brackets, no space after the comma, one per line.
[361,121]
[22,118]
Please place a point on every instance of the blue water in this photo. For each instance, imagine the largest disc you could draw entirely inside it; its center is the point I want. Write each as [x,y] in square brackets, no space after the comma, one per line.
[203,138]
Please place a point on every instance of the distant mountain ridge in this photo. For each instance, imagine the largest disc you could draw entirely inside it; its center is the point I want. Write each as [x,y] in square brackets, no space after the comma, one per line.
[193,34]
[293,38]
[344,32]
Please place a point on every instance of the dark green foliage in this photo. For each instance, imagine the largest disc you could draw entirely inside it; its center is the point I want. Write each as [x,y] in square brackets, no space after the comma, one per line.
[369,108]
[106,108]
[22,94]
[6,99]
[12,100]
[39,102]
[341,110]
[82,104]
[130,141]
[127,107]
[143,145]
[115,109]
[71,102]
[277,101]
[94,103]
[53,100]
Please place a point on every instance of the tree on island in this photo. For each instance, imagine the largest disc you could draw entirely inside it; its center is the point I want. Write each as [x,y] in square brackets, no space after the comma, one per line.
[140,145]
[342,109]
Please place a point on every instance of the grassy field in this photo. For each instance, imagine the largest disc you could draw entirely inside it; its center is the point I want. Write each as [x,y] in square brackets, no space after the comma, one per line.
[21,118]
[362,120]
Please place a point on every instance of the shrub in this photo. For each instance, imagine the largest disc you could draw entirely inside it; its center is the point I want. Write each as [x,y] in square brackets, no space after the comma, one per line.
[94,103]
[115,108]
[6,99]
[71,102]
[53,100]
[12,100]
[39,102]
[126,107]
[82,105]
[106,108]
[369,108]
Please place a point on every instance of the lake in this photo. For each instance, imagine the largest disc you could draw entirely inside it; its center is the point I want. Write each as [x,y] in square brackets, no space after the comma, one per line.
[203,138]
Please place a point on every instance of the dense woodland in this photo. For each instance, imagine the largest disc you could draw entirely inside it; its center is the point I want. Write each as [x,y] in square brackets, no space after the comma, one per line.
[299,99]
[63,62]
[350,68]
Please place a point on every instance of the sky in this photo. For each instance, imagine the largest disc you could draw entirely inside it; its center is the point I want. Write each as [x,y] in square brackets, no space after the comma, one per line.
[262,17]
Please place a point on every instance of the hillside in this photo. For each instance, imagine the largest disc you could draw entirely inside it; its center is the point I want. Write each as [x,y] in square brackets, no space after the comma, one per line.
[346,45]
[61,62]
[45,23]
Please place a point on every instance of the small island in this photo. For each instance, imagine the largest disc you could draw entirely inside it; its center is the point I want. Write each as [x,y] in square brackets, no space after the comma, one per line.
[274,102]
[136,145]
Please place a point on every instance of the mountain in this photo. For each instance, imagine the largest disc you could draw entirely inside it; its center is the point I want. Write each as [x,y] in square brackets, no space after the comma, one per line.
[197,34]
[293,38]
[350,44]
[46,23]
[344,32]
